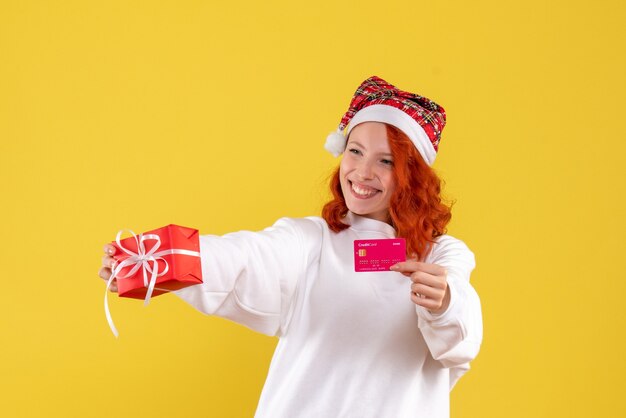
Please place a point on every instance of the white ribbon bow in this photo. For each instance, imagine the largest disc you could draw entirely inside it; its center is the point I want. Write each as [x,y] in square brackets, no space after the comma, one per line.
[147,261]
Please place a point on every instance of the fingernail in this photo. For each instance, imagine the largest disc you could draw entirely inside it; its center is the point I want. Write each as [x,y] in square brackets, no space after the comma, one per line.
[394,267]
[110,251]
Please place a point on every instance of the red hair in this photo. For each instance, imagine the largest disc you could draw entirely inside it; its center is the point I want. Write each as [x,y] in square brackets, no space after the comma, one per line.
[416,208]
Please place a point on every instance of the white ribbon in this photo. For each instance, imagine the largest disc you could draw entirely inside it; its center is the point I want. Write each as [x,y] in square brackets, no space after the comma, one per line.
[141,260]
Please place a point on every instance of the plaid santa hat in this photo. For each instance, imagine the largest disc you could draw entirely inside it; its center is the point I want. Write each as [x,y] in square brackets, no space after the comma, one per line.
[375,100]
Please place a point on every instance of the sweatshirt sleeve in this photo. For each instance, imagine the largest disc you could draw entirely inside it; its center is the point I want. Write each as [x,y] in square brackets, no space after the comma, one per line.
[251,277]
[454,336]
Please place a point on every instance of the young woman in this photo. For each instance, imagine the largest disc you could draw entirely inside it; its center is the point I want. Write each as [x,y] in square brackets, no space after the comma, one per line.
[356,344]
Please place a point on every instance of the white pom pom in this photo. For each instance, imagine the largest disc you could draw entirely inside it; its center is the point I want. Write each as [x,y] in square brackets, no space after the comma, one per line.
[335,143]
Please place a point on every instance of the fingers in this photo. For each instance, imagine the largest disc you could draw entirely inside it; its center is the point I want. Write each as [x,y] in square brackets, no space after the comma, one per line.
[107,264]
[429,304]
[435,300]
[411,266]
[108,261]
[438,282]
[427,292]
[429,284]
[105,274]
[109,249]
[429,274]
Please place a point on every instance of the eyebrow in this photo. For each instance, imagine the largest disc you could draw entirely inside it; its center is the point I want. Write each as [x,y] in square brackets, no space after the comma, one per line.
[385,154]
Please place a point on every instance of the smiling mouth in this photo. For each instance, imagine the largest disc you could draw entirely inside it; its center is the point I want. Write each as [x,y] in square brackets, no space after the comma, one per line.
[362,191]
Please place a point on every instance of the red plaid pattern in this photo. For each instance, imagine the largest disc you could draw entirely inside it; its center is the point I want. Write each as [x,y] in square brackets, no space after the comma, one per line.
[376,91]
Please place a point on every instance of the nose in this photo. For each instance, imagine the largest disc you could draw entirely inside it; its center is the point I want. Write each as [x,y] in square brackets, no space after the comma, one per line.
[364,170]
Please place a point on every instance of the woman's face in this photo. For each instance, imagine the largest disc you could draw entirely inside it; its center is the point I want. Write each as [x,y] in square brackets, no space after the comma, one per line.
[366,171]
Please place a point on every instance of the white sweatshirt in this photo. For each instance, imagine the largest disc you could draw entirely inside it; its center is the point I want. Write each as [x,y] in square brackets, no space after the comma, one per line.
[351,344]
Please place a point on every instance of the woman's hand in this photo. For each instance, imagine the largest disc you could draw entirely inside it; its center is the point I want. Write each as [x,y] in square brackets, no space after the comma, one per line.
[429,287]
[107,263]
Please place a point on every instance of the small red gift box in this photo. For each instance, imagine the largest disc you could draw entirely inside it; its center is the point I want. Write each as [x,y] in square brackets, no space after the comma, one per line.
[167,258]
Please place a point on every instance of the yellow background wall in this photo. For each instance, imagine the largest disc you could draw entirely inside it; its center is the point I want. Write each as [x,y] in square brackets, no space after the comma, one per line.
[135,114]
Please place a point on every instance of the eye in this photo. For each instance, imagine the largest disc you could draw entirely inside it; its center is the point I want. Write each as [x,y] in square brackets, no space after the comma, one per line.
[354,151]
[387,162]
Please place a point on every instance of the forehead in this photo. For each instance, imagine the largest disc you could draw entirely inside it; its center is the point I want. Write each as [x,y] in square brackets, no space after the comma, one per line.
[371,135]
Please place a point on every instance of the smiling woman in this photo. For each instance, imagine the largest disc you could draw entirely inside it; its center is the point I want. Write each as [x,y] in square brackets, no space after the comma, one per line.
[355,344]
[413,193]
[366,172]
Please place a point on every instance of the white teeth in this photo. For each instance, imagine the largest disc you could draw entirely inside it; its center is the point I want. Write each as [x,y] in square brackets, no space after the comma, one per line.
[362,192]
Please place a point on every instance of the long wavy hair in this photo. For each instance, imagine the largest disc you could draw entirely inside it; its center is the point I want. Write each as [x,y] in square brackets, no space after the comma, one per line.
[417,211]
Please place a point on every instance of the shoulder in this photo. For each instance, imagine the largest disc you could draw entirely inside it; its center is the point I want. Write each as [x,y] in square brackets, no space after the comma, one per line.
[311,225]
[309,231]
[449,250]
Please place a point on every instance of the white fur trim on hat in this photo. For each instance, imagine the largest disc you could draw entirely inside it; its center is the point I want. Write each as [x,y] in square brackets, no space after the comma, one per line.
[402,121]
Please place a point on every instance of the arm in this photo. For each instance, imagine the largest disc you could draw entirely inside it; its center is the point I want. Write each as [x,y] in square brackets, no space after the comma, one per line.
[251,277]
[454,336]
[447,306]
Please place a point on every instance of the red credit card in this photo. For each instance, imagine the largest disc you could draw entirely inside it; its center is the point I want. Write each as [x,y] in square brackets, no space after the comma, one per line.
[378,254]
